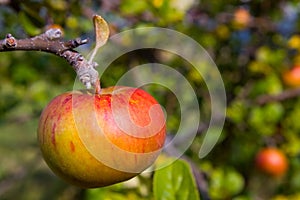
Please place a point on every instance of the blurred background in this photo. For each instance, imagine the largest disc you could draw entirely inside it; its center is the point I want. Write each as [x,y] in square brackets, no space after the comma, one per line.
[254,43]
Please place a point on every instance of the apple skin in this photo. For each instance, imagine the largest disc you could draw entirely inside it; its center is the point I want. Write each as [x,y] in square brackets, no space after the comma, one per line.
[272,161]
[292,77]
[87,140]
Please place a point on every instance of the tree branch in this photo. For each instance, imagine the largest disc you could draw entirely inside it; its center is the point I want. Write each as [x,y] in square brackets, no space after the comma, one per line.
[287,94]
[51,42]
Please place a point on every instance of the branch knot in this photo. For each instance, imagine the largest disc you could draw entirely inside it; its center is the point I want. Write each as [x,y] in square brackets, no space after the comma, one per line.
[9,41]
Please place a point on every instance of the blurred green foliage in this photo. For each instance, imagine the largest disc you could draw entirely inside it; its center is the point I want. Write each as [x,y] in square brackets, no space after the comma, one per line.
[252,42]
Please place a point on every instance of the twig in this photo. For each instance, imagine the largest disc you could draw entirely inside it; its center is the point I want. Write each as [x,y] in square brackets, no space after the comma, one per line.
[51,42]
[198,174]
[200,179]
[287,94]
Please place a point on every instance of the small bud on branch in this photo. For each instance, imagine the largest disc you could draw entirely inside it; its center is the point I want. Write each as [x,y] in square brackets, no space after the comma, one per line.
[9,41]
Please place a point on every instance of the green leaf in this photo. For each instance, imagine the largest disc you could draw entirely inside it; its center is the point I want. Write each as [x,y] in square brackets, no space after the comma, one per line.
[175,182]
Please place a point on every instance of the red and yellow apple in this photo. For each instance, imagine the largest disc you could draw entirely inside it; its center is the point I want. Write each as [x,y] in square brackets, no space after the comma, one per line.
[272,161]
[292,77]
[94,140]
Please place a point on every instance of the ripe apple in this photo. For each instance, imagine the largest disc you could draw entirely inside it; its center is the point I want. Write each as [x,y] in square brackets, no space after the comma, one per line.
[241,17]
[292,77]
[272,161]
[95,140]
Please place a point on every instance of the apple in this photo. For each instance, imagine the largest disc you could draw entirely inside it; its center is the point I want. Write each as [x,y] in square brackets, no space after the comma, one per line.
[272,161]
[241,17]
[292,77]
[94,140]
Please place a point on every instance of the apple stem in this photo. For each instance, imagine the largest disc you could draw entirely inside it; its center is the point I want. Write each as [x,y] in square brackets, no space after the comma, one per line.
[97,87]
[51,42]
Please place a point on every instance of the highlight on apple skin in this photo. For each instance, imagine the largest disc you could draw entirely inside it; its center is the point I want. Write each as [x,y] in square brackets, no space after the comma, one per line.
[94,140]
